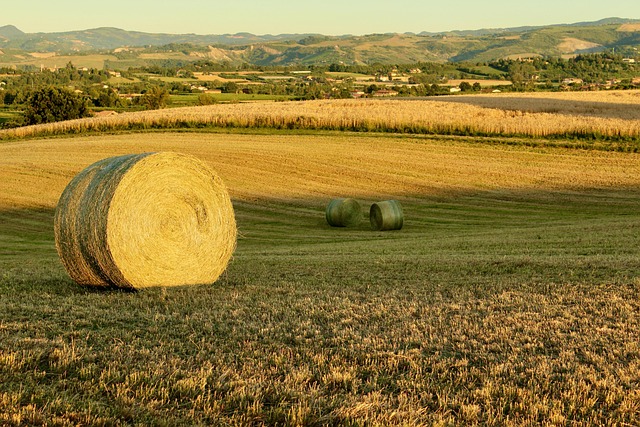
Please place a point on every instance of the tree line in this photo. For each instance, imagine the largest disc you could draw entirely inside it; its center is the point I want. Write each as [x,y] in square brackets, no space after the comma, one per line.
[51,95]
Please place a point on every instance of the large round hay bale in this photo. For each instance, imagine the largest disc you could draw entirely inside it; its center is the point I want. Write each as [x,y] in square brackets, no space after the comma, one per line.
[141,220]
[386,215]
[343,213]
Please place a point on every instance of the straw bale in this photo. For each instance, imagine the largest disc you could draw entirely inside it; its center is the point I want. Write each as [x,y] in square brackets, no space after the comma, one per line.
[387,215]
[141,220]
[343,213]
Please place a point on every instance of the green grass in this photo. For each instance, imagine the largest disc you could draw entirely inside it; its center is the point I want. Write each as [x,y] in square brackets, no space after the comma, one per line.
[186,100]
[494,308]
[7,114]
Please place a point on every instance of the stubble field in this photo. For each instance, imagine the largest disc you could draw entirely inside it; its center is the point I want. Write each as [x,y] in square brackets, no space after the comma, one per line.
[510,297]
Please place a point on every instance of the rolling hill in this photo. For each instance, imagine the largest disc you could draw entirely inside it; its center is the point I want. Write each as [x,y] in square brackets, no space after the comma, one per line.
[622,35]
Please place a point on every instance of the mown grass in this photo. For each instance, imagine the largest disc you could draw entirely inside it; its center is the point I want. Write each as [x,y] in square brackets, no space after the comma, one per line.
[488,308]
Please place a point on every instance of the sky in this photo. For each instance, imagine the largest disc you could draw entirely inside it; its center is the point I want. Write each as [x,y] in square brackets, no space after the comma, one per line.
[329,17]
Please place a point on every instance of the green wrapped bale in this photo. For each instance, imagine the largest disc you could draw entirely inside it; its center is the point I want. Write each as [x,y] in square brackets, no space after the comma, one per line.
[386,215]
[344,213]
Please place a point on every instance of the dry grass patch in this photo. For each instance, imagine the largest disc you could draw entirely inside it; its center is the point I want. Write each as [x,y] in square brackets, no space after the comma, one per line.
[571,45]
[631,27]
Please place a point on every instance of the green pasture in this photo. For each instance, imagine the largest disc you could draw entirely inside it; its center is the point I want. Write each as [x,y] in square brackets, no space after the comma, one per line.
[8,114]
[487,308]
[190,99]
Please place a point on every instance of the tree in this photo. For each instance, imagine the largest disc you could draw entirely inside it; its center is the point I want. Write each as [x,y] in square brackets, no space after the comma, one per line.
[465,86]
[521,75]
[155,98]
[230,87]
[106,98]
[53,105]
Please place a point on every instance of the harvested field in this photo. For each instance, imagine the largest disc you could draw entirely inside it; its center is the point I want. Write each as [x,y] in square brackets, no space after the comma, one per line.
[510,297]
[573,45]
[308,167]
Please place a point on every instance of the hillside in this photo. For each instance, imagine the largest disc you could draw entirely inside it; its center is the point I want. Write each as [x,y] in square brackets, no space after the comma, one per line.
[131,47]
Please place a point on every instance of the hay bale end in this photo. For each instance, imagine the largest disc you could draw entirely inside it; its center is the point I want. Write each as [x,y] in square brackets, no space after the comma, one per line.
[142,220]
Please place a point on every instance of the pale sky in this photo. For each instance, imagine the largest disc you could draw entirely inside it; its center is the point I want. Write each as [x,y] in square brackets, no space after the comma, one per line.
[330,17]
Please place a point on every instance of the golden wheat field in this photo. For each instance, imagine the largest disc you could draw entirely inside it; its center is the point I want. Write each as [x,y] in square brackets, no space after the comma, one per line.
[611,115]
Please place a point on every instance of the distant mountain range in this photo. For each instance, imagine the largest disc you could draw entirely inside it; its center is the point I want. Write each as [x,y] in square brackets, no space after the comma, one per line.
[132,47]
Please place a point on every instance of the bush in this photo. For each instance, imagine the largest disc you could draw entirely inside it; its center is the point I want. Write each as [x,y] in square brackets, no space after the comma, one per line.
[207,99]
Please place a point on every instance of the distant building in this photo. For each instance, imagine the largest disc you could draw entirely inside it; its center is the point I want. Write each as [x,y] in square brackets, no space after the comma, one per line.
[105,113]
[571,81]
[385,92]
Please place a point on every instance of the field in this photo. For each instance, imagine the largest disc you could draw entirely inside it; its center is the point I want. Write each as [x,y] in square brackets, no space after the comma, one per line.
[510,297]
[52,61]
[192,98]
[607,120]
[7,114]
[482,82]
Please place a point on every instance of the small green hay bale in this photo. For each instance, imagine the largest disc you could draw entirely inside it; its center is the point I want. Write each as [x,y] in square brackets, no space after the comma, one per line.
[344,213]
[142,220]
[386,215]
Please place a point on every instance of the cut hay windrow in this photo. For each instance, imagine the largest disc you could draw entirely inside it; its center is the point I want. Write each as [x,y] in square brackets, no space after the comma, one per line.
[343,213]
[142,220]
[387,215]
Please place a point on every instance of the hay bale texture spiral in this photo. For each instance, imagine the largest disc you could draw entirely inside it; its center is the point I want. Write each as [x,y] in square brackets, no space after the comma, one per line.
[343,213]
[142,220]
[387,215]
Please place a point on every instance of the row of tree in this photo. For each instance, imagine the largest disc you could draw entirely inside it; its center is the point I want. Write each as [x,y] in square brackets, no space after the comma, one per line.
[70,92]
